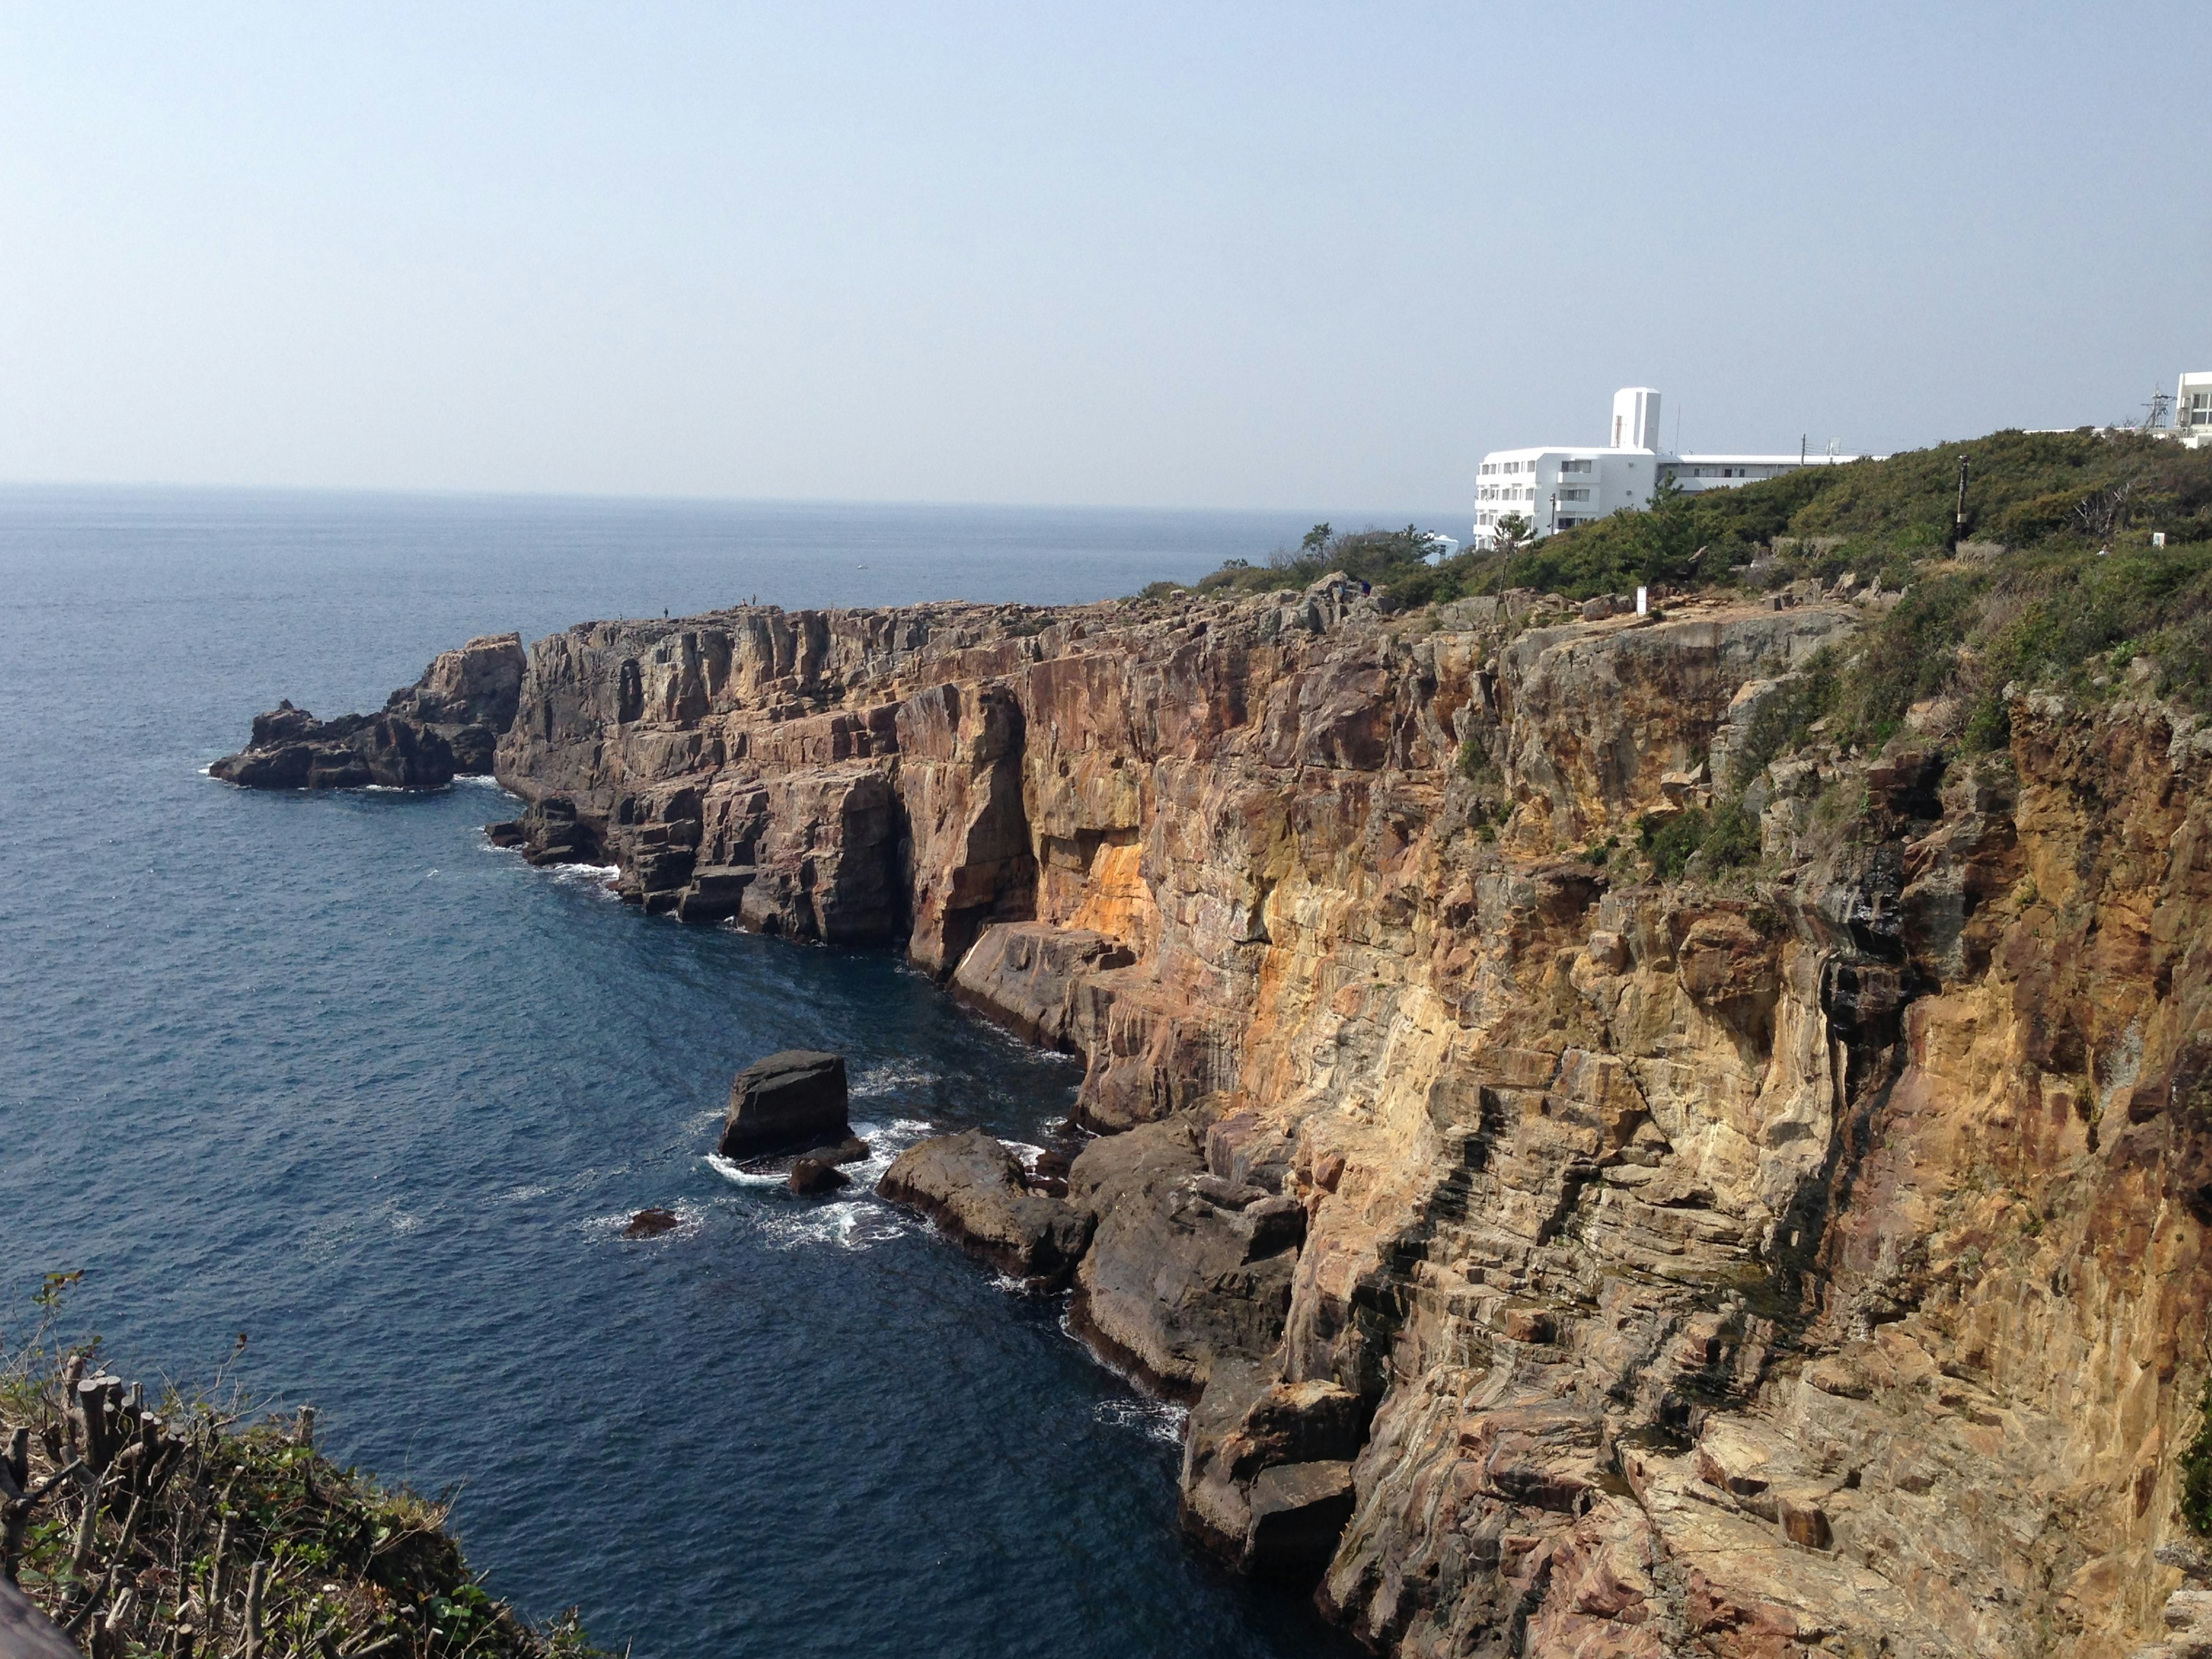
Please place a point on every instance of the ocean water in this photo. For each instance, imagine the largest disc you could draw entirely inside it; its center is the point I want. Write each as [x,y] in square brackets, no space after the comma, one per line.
[332,1072]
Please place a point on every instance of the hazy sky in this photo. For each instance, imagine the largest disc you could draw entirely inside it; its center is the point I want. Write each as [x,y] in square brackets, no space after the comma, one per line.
[1207,255]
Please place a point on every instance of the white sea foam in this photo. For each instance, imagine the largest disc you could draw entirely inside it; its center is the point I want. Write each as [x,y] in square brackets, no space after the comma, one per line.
[1157,1419]
[730,1170]
[599,877]
[893,1079]
[524,1194]
[853,1224]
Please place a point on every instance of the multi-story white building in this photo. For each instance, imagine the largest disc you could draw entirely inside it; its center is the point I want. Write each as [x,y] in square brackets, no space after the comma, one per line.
[1557,488]
[2192,409]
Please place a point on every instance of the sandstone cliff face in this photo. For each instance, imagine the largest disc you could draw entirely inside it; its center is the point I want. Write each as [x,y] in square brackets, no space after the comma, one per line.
[1810,1264]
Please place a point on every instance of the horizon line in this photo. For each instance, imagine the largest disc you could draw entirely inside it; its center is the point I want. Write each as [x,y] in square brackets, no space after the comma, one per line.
[645,499]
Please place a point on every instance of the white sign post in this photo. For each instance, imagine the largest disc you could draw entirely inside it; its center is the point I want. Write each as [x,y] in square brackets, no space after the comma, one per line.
[1642,603]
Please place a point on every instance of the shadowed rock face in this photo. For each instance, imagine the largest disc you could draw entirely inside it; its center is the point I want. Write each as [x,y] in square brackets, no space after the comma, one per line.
[293,750]
[446,724]
[1811,1263]
[27,1633]
[788,1101]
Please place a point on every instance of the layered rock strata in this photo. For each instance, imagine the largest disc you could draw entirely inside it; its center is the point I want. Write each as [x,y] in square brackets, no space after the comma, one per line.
[446,724]
[1561,1262]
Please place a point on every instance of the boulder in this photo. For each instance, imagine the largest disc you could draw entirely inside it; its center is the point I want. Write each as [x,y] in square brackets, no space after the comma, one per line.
[27,1633]
[1173,1282]
[652,1222]
[1247,1425]
[550,831]
[811,1177]
[478,684]
[851,1150]
[795,1098]
[973,1185]
[1299,1512]
[468,696]
[1023,976]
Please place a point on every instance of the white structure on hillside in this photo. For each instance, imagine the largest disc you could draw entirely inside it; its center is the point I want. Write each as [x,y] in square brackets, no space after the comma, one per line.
[2192,409]
[1557,489]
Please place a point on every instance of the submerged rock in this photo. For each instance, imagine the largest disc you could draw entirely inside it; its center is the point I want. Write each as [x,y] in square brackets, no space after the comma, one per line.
[973,1185]
[812,1177]
[792,1099]
[652,1222]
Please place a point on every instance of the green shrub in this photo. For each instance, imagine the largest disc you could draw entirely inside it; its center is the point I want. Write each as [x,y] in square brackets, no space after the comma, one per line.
[1785,718]
[1713,840]
[2195,1467]
[1671,842]
[1909,655]
[1731,838]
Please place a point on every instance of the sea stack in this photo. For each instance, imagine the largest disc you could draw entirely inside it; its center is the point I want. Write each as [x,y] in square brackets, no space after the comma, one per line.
[789,1100]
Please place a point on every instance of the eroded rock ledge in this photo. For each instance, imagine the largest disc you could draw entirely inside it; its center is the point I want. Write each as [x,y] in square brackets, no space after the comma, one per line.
[445,726]
[1813,1265]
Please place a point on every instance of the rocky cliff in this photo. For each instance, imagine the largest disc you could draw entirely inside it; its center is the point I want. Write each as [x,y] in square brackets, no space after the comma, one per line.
[444,726]
[1805,1259]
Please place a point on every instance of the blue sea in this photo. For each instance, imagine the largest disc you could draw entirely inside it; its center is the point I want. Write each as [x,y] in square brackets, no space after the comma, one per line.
[334,1074]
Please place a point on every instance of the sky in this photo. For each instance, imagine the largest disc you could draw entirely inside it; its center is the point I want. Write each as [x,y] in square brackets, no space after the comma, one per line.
[1190,255]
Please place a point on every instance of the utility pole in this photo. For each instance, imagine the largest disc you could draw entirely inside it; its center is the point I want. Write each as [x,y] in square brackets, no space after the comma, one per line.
[1959,523]
[1804,443]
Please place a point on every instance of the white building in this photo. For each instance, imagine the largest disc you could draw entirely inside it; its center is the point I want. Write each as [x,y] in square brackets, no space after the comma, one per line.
[1557,488]
[2192,409]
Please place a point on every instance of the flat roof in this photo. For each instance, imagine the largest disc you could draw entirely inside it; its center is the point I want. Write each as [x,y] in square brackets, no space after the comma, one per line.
[1594,451]
[1822,459]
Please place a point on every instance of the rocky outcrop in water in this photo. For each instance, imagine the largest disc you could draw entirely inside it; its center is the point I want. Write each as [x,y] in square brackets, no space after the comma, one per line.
[790,1100]
[1562,1260]
[976,1188]
[447,724]
[293,750]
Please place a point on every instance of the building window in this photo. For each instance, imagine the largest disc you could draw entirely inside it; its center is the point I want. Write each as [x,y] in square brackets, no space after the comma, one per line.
[1574,495]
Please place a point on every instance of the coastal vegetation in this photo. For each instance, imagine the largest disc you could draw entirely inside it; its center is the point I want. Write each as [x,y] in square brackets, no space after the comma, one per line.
[181,1523]
[2083,568]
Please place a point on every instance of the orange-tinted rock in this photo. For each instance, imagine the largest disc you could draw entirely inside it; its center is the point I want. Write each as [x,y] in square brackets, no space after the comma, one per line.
[1867,1194]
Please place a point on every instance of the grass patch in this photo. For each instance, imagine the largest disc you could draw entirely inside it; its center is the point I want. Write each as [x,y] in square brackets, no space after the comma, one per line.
[158,1526]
